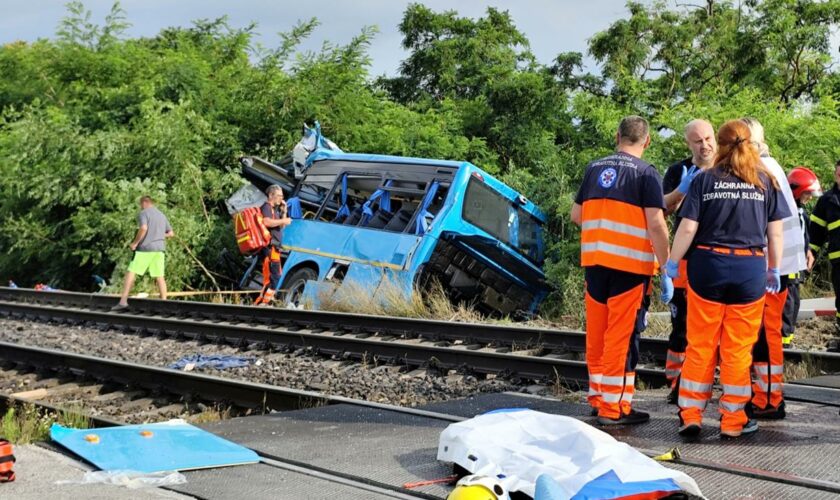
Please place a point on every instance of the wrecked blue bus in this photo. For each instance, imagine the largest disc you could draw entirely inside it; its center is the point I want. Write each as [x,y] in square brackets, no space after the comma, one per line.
[368,219]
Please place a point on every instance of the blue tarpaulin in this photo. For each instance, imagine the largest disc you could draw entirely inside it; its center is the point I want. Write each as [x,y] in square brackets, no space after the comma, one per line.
[219,362]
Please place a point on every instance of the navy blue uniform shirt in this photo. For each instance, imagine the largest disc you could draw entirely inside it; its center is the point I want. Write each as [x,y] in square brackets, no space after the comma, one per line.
[671,181]
[730,212]
[276,232]
[622,177]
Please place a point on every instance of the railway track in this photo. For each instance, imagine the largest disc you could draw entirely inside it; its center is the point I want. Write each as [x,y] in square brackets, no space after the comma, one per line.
[127,378]
[272,398]
[498,349]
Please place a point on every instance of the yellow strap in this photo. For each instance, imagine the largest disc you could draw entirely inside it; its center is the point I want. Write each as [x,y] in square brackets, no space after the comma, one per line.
[244,238]
[834,255]
[793,276]
[819,221]
[815,248]
[834,225]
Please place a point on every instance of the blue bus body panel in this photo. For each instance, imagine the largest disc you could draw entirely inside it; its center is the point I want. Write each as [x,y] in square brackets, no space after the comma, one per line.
[449,220]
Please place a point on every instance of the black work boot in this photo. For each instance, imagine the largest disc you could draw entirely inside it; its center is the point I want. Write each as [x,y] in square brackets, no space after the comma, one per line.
[833,345]
[632,418]
[769,413]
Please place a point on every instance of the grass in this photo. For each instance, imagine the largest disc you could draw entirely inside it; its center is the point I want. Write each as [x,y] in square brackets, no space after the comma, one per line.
[216,413]
[24,424]
[391,299]
[806,368]
[560,389]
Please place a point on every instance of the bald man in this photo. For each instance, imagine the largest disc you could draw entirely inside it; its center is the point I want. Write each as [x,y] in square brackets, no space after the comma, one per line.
[700,139]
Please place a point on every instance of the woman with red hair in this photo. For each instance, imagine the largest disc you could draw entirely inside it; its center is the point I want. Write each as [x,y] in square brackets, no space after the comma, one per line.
[730,214]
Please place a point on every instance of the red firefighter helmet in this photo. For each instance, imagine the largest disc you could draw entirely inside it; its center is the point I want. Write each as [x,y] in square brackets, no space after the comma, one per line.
[802,180]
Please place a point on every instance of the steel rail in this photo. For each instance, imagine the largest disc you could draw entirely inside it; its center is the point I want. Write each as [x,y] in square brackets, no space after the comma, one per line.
[468,333]
[474,334]
[572,372]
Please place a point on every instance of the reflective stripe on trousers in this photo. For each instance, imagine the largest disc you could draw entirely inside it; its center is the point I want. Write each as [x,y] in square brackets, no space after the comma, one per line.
[768,353]
[673,364]
[731,330]
[609,330]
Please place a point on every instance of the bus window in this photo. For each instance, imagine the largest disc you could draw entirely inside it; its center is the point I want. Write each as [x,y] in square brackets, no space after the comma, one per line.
[504,220]
[344,203]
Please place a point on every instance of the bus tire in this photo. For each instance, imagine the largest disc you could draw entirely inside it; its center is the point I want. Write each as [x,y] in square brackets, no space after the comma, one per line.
[294,284]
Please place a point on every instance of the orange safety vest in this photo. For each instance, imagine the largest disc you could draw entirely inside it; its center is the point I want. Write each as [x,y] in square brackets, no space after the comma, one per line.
[614,235]
[7,461]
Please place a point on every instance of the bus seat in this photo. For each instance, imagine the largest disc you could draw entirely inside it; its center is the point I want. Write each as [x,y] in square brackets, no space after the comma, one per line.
[400,220]
[354,217]
[380,219]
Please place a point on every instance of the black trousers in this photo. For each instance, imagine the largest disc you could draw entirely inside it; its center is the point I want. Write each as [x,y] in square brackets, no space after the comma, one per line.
[679,313]
[835,282]
[791,310]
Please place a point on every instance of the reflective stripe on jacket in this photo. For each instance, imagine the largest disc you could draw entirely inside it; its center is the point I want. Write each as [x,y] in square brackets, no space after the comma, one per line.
[614,235]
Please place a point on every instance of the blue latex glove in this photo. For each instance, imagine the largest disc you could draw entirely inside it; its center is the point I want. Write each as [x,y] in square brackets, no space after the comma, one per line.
[688,175]
[774,280]
[672,269]
[667,288]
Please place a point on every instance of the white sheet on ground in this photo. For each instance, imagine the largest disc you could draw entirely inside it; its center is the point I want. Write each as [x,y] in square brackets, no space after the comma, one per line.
[521,445]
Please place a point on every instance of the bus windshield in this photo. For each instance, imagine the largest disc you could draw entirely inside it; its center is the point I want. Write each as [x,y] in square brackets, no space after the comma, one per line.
[503,219]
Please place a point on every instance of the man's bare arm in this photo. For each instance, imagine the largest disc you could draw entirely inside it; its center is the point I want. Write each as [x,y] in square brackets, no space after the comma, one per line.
[141,233]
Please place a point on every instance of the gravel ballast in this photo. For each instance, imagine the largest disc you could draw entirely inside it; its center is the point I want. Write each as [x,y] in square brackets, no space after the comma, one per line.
[369,380]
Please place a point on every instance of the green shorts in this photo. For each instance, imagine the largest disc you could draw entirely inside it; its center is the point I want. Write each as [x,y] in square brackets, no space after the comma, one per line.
[151,261]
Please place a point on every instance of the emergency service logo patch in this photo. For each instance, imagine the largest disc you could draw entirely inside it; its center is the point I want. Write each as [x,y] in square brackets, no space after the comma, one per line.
[607,178]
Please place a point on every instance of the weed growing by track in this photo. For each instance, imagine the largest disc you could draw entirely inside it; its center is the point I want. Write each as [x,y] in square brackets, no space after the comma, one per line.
[24,424]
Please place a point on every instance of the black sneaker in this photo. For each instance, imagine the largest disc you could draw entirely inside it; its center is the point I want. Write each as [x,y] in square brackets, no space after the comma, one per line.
[674,396]
[749,428]
[119,307]
[691,430]
[833,345]
[632,418]
[769,413]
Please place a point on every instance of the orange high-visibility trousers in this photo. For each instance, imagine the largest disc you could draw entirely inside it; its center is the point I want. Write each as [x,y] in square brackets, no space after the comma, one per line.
[733,329]
[271,272]
[768,355]
[610,329]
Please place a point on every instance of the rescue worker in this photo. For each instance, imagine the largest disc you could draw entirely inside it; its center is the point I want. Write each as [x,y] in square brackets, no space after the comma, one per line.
[768,355]
[620,208]
[700,139]
[825,229]
[731,212]
[149,245]
[804,185]
[275,219]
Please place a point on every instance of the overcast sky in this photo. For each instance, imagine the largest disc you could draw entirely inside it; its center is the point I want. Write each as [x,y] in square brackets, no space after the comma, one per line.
[552,26]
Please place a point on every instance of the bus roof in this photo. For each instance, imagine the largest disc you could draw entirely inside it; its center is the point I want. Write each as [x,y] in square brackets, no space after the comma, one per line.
[324,154]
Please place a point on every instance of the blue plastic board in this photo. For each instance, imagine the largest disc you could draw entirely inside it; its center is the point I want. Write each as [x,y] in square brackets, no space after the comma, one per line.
[165,446]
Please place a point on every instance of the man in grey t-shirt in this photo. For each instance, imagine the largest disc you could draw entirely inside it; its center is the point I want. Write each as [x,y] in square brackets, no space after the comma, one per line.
[149,245]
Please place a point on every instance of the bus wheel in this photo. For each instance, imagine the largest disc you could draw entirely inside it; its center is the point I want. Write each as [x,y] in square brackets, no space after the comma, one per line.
[294,285]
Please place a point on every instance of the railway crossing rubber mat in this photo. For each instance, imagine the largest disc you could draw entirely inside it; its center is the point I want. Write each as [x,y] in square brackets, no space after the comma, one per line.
[388,449]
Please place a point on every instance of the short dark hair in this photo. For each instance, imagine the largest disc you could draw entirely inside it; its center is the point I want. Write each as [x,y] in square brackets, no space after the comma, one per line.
[633,129]
[146,199]
[273,189]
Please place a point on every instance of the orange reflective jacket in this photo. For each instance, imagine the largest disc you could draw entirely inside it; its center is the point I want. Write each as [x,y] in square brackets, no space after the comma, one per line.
[614,235]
